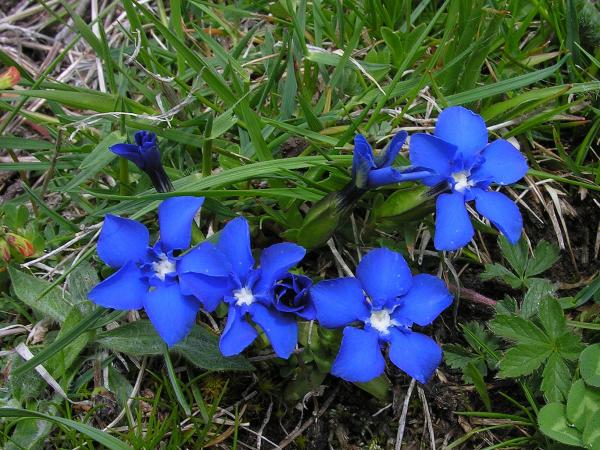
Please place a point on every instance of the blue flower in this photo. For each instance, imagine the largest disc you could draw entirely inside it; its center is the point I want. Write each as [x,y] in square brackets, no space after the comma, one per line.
[459,153]
[148,277]
[292,295]
[145,154]
[226,271]
[387,300]
[371,171]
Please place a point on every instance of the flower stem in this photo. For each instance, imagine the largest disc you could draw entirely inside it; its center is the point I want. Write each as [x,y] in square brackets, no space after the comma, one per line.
[123,176]
[175,383]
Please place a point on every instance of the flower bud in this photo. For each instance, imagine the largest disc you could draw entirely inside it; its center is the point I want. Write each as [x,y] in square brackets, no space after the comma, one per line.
[324,217]
[9,78]
[4,251]
[19,243]
[146,155]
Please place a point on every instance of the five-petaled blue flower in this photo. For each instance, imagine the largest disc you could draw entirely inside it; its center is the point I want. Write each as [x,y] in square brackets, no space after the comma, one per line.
[145,154]
[388,300]
[459,153]
[371,171]
[225,271]
[148,277]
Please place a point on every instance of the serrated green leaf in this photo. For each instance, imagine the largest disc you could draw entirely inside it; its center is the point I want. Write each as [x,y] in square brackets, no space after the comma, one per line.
[56,304]
[582,402]
[539,290]
[553,423]
[552,318]
[556,379]
[515,328]
[516,255]
[569,346]
[523,359]
[589,365]
[200,347]
[458,357]
[544,257]
[498,271]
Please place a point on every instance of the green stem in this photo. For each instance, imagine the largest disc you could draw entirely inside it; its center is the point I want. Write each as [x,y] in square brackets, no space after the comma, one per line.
[175,383]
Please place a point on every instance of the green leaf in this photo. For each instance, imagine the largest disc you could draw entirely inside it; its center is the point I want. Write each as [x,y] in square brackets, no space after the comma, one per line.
[31,433]
[380,387]
[589,365]
[65,338]
[135,338]
[569,346]
[99,436]
[63,359]
[556,379]
[523,359]
[553,423]
[552,318]
[200,347]
[56,304]
[477,378]
[582,402]
[515,328]
[539,289]
[458,357]
[516,255]
[544,257]
[498,271]
[591,432]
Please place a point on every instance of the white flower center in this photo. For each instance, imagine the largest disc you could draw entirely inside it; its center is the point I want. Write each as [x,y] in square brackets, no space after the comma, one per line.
[163,267]
[244,296]
[461,181]
[381,320]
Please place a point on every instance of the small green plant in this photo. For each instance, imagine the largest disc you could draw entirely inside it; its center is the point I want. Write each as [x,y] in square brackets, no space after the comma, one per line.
[576,421]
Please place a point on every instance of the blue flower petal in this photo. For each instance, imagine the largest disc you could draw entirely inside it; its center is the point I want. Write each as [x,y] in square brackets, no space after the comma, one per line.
[427,298]
[209,290]
[339,302]
[462,128]
[388,155]
[362,161]
[122,240]
[384,176]
[234,242]
[175,217]
[172,313]
[414,353]
[384,275]
[503,164]
[124,289]
[432,153]
[501,211]
[205,259]
[359,358]
[238,333]
[275,262]
[130,152]
[280,328]
[453,228]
